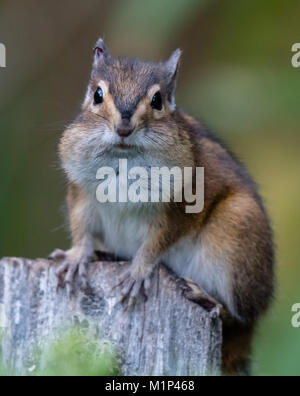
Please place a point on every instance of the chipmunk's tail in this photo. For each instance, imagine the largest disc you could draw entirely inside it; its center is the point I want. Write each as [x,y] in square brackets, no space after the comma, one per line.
[237,348]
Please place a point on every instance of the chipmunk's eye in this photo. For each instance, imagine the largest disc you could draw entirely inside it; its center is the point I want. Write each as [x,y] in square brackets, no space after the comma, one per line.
[98,97]
[157,102]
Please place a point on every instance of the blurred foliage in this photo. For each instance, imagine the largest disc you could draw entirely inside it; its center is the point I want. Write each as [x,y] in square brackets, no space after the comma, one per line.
[77,353]
[4,370]
[236,76]
[73,352]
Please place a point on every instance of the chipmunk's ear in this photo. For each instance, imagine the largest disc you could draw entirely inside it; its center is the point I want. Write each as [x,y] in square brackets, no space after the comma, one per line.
[100,53]
[172,66]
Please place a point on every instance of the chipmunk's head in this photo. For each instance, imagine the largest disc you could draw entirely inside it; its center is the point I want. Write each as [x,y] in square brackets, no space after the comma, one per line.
[130,95]
[129,106]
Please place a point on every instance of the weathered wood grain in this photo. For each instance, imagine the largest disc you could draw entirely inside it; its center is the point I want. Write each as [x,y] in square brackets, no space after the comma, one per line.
[167,334]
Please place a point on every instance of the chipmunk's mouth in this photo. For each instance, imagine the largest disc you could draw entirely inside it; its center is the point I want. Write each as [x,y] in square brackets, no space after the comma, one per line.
[124,146]
[117,143]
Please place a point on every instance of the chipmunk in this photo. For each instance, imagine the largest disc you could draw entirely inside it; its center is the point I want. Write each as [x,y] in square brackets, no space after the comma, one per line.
[129,111]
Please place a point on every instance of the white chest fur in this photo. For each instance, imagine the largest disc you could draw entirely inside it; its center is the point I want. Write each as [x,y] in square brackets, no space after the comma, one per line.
[123,229]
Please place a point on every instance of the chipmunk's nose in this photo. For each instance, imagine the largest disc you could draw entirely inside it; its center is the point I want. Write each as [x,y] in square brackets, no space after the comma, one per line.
[124,129]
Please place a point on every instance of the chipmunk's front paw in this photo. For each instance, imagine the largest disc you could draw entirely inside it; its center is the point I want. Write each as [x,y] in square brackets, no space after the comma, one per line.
[133,285]
[72,264]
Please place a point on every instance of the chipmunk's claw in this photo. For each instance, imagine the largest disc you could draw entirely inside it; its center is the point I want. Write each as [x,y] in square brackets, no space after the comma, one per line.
[131,289]
[67,272]
[61,274]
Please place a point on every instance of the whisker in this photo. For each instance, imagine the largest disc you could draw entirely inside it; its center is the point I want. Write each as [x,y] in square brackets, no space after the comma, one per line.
[98,115]
[153,141]
[160,138]
[158,132]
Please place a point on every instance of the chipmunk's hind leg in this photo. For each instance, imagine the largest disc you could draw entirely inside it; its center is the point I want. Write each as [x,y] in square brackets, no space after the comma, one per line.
[195,293]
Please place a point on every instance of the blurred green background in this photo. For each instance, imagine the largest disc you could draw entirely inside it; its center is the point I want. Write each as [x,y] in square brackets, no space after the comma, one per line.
[236,76]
